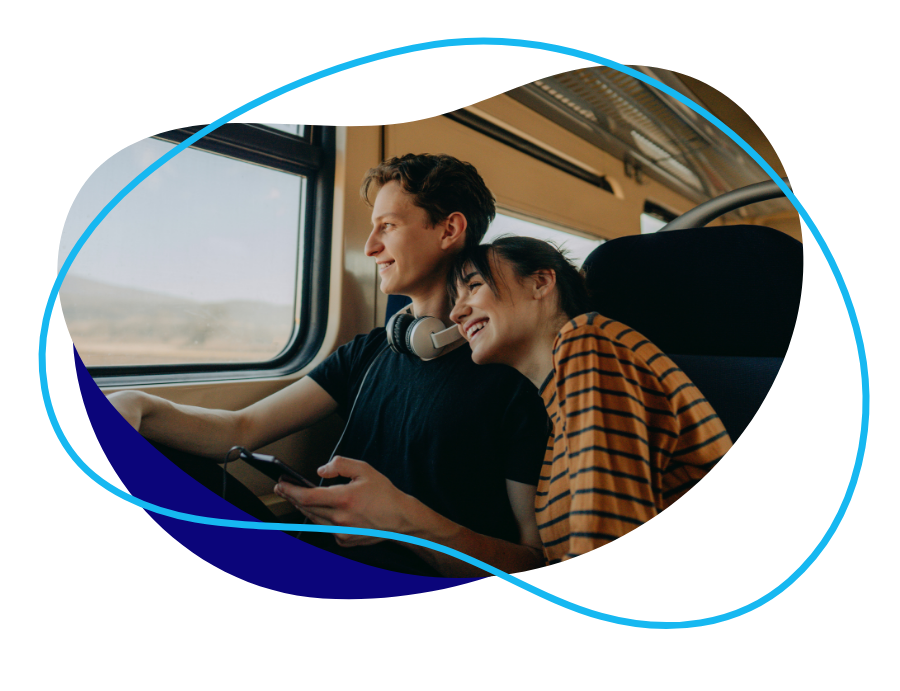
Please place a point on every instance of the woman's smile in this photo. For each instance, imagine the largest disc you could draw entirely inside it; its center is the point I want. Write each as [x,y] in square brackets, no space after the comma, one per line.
[474,327]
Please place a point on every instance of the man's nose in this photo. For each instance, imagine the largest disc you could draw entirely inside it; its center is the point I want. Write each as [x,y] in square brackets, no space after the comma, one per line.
[373,244]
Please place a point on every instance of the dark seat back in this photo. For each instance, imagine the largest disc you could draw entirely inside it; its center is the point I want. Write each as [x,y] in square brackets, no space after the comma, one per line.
[395,303]
[721,302]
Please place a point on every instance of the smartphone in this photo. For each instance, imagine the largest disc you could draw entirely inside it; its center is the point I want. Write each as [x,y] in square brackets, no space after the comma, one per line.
[276,469]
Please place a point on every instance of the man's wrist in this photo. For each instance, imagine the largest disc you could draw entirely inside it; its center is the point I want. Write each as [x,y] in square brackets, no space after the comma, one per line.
[424,523]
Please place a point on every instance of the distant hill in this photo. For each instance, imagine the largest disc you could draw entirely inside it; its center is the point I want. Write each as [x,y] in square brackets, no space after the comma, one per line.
[80,286]
[118,319]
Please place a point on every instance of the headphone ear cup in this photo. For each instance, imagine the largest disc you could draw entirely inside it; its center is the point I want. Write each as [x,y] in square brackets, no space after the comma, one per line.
[407,337]
[397,330]
[418,337]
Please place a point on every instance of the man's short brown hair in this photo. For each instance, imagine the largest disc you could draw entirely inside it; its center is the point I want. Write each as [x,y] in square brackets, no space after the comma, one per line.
[439,184]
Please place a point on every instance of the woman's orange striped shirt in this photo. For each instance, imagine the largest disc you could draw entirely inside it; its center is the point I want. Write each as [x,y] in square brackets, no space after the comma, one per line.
[630,435]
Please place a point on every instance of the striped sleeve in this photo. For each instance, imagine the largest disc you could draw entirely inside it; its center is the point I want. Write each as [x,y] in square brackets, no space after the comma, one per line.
[606,439]
[702,441]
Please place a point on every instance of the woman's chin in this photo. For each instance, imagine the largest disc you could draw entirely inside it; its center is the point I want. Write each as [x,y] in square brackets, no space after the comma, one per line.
[481,355]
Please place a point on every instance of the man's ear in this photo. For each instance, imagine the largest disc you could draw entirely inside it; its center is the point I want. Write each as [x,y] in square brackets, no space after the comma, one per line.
[454,231]
[544,282]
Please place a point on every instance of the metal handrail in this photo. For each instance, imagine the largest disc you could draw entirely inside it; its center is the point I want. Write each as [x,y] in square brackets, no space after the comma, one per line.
[700,215]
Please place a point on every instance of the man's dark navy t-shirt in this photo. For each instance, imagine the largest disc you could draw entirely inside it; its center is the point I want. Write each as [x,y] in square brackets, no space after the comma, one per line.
[447,431]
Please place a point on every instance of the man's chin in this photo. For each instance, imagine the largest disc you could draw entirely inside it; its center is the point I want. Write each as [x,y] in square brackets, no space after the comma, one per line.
[390,288]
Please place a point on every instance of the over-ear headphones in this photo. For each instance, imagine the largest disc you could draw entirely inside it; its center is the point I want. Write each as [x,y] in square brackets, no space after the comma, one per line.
[425,337]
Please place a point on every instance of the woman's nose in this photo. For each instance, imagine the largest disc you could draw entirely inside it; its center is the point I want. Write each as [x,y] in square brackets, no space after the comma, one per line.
[459,311]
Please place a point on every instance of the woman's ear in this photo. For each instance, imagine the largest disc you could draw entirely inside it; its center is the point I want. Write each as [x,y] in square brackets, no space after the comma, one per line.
[544,282]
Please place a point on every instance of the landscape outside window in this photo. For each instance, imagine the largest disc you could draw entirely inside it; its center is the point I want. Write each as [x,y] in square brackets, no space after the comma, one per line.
[198,264]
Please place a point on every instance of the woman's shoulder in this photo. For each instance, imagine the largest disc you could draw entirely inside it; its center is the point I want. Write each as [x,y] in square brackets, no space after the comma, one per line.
[594,330]
[590,322]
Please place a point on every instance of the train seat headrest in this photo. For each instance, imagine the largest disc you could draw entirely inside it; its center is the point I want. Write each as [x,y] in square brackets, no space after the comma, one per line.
[726,290]
[395,303]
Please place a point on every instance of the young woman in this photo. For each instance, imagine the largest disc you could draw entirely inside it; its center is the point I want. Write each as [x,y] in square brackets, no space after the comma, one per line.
[630,433]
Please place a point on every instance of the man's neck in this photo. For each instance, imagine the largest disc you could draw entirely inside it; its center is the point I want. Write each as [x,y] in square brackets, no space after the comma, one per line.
[435,304]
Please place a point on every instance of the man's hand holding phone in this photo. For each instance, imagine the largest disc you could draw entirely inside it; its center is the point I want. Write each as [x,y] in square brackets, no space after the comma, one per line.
[369,500]
[268,465]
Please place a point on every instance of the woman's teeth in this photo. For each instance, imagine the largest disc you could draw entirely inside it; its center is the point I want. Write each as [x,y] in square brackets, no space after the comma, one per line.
[475,328]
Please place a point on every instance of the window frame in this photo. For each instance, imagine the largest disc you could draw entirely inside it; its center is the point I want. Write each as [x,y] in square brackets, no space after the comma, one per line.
[313,156]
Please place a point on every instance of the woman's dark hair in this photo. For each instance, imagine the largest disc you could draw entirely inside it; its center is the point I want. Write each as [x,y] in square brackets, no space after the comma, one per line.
[441,185]
[526,256]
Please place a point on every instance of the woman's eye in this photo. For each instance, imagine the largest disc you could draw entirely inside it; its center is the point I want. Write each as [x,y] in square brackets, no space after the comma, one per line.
[473,286]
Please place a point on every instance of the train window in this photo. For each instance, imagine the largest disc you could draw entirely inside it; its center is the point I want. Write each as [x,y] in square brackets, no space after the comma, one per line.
[199,264]
[204,264]
[650,224]
[654,218]
[577,247]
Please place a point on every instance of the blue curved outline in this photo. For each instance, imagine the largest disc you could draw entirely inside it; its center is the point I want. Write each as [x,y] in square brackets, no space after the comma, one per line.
[550,47]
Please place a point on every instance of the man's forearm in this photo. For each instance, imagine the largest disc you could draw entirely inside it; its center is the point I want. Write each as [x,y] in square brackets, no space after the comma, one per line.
[429,525]
[199,431]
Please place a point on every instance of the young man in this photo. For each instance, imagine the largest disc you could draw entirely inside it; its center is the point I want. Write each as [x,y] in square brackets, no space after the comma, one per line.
[438,448]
